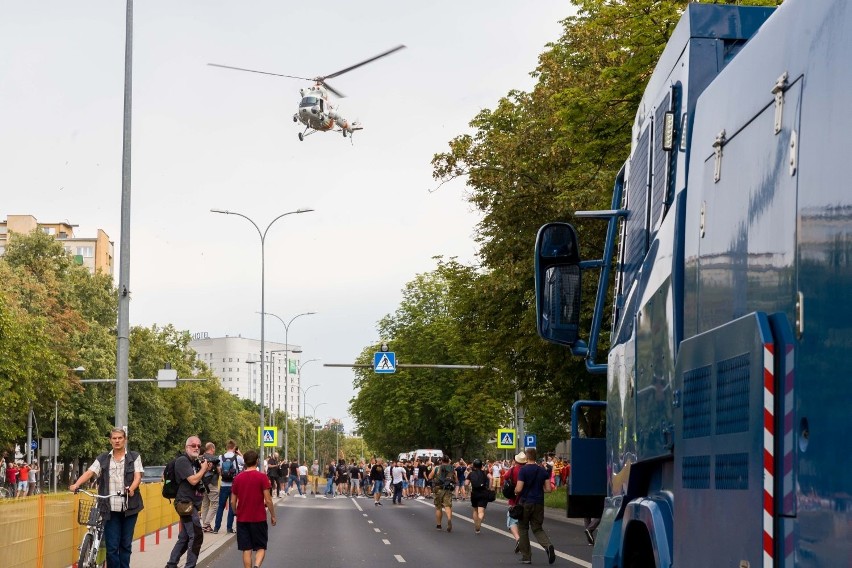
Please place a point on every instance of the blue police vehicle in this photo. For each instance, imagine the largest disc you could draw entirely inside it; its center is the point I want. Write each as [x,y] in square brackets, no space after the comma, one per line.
[728,255]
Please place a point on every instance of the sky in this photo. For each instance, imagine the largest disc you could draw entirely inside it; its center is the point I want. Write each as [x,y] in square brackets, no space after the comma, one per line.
[209,138]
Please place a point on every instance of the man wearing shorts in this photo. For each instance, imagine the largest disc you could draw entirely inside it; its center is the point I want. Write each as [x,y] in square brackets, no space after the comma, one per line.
[250,499]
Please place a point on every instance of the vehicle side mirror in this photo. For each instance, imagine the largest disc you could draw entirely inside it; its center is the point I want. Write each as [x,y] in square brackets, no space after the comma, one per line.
[557,283]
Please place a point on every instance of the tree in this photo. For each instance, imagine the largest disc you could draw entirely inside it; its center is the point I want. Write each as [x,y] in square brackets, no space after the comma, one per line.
[449,409]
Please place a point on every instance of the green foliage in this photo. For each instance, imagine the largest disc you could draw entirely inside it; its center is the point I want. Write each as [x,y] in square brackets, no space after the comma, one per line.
[56,316]
[455,410]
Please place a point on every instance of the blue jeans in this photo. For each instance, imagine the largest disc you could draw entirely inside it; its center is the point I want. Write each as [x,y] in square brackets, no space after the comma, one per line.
[224,497]
[378,485]
[329,486]
[290,481]
[189,540]
[118,538]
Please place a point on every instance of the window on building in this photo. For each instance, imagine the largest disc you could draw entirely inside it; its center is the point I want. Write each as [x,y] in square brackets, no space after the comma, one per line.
[230,359]
[86,252]
[229,369]
[48,230]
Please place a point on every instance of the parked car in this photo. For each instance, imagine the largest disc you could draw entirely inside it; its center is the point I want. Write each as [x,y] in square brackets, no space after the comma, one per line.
[153,473]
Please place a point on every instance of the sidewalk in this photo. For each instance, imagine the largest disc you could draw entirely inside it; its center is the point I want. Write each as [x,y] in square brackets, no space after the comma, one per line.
[158,546]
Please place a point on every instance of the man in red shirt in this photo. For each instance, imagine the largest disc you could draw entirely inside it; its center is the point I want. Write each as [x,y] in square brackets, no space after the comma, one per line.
[12,477]
[250,497]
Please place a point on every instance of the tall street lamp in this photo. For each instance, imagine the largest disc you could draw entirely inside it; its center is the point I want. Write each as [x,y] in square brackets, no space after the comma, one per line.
[272,403]
[313,425]
[262,235]
[304,396]
[287,376]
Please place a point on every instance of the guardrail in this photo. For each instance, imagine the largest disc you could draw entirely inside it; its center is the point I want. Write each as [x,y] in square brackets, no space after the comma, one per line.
[42,531]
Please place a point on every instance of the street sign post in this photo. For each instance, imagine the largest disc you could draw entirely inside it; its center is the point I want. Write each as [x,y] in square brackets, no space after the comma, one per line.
[506,438]
[268,435]
[384,362]
[530,441]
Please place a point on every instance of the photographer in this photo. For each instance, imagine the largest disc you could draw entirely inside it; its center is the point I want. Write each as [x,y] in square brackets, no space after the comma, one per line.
[210,500]
[189,471]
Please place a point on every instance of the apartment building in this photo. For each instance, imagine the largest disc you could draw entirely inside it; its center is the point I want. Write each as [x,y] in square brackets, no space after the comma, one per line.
[95,253]
[235,361]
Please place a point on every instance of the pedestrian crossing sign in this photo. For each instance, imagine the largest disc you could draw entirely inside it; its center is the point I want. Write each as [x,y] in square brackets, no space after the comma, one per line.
[268,436]
[506,438]
[384,362]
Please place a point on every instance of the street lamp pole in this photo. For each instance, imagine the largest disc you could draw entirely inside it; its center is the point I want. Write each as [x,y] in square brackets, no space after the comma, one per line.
[304,396]
[272,404]
[287,376]
[313,426]
[262,236]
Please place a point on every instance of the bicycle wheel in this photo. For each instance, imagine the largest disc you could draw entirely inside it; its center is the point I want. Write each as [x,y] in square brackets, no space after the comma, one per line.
[4,493]
[87,553]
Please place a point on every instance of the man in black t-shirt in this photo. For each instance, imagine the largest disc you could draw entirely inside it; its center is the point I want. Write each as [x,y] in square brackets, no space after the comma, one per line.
[293,478]
[354,478]
[377,475]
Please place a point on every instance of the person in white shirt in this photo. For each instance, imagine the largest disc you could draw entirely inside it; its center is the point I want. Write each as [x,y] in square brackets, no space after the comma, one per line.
[398,475]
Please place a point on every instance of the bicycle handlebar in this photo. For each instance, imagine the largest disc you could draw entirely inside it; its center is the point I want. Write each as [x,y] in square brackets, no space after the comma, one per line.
[96,496]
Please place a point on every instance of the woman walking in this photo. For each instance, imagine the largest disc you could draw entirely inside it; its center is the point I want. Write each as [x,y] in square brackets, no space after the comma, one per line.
[479,482]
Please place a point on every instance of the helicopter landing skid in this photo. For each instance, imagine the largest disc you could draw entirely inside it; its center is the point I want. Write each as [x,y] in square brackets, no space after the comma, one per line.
[305,133]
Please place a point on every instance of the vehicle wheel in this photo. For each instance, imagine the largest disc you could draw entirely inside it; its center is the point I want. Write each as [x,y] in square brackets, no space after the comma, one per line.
[301,137]
[87,559]
[295,119]
[344,134]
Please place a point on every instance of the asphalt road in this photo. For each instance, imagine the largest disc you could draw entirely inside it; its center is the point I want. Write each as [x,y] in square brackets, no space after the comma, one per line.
[345,532]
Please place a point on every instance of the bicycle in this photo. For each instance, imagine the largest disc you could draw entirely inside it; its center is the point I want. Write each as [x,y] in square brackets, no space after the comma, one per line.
[89,514]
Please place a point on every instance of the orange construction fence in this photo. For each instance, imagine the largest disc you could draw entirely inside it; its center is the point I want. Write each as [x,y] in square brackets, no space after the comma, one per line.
[42,531]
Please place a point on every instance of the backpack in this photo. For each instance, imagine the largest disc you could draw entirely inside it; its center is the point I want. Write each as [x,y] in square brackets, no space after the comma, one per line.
[478,479]
[445,478]
[230,468]
[509,487]
[170,480]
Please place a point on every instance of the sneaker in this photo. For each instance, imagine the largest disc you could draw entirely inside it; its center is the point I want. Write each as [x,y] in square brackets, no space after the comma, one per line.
[517,546]
[525,561]
[214,531]
[551,554]
[231,531]
[590,537]
[438,528]
[476,531]
[450,525]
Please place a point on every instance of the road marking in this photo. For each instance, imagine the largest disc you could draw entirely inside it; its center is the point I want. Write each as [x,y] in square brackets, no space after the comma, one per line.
[357,506]
[568,557]
[369,522]
[399,558]
[386,541]
[377,530]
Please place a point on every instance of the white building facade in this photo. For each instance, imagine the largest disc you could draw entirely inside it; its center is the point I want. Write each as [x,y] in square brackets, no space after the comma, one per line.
[235,361]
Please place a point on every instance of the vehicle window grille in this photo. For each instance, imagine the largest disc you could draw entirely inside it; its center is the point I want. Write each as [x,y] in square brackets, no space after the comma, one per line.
[637,205]
[695,473]
[731,471]
[661,161]
[696,403]
[732,394]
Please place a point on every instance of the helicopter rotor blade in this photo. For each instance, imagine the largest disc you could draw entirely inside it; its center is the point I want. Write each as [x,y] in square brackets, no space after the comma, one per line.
[261,72]
[334,91]
[357,65]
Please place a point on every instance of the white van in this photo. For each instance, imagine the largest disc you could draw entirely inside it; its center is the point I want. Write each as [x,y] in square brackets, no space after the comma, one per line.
[429,454]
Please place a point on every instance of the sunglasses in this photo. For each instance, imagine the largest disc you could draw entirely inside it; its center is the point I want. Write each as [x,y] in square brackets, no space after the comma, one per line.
[193,445]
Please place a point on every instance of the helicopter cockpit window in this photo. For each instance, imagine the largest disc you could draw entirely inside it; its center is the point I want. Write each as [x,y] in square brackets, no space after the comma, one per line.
[310,101]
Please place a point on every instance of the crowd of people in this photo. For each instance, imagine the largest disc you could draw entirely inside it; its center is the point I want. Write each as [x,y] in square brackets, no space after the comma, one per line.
[18,477]
[229,487]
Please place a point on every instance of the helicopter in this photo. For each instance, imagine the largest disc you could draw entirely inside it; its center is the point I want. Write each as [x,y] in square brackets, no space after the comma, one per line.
[315,109]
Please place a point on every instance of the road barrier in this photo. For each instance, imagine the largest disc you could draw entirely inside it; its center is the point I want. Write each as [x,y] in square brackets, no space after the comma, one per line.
[42,531]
